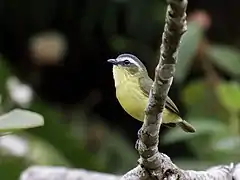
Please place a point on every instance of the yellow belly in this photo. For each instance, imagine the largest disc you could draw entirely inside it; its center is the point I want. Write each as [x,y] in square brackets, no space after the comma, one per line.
[131,100]
[134,102]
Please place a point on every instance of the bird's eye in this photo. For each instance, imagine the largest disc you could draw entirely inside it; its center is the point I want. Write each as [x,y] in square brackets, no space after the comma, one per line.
[126,62]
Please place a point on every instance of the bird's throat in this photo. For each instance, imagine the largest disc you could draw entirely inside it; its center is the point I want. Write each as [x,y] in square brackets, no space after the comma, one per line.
[129,93]
[120,75]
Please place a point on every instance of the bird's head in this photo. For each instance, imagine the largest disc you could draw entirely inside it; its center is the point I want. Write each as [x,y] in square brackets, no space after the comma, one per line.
[126,65]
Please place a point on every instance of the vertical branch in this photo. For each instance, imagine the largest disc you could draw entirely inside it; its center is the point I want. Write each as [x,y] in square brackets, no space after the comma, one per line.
[155,165]
[175,26]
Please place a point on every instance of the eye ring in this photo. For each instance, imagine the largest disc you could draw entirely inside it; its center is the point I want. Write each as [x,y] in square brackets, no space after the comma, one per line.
[126,62]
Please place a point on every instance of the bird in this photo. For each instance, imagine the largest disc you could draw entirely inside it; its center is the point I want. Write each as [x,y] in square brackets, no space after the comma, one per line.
[133,84]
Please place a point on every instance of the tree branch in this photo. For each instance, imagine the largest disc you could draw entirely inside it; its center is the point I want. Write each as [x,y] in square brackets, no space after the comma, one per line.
[147,144]
[169,171]
[60,173]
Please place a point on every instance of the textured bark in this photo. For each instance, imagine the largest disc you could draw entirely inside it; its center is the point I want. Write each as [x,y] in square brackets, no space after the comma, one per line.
[60,173]
[172,172]
[157,165]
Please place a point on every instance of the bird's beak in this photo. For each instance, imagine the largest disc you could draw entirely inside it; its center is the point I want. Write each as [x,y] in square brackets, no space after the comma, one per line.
[112,61]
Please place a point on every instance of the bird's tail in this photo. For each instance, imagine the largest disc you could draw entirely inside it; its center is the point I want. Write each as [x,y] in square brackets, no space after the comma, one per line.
[187,127]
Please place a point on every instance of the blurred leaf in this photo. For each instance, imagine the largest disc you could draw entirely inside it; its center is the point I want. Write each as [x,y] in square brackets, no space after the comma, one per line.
[36,152]
[225,147]
[227,144]
[194,96]
[159,10]
[193,93]
[43,153]
[19,119]
[229,95]
[203,127]
[189,45]
[59,134]
[106,143]
[225,57]
[32,149]
[201,101]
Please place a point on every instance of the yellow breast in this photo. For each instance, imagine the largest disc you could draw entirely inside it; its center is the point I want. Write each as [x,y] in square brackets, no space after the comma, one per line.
[129,94]
[131,98]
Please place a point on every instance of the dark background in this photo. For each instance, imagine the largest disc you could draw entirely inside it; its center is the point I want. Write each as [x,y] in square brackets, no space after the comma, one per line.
[82,81]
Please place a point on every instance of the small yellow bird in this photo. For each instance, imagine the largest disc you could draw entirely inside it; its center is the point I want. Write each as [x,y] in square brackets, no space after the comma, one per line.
[133,85]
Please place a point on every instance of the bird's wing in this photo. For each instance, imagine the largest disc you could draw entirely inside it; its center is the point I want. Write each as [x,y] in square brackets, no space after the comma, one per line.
[146,84]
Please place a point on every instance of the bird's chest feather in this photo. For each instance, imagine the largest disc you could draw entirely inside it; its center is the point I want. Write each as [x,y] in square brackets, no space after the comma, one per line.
[131,98]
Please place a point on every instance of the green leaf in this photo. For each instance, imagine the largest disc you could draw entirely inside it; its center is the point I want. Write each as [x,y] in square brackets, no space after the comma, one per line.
[193,93]
[229,95]
[226,58]
[201,101]
[60,135]
[196,98]
[187,50]
[43,153]
[19,119]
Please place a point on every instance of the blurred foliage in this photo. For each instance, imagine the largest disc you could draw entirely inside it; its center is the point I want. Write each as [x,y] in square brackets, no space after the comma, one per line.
[212,103]
[18,119]
[77,138]
[190,41]
[75,144]
[226,58]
